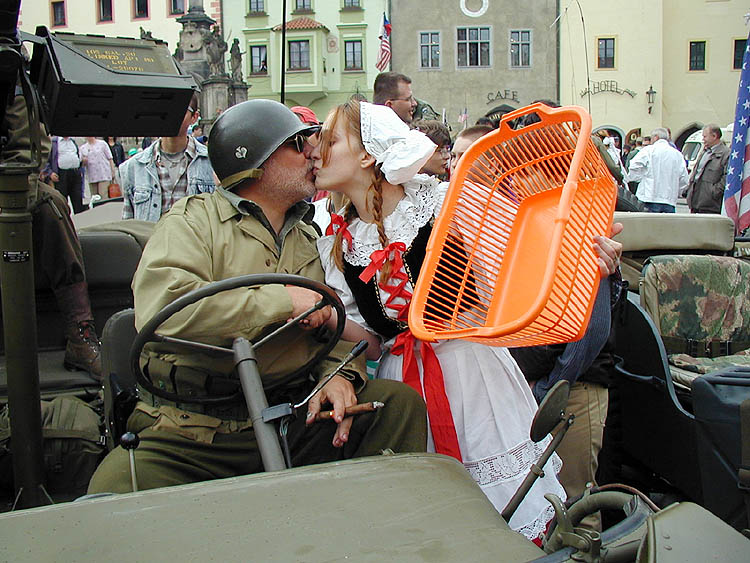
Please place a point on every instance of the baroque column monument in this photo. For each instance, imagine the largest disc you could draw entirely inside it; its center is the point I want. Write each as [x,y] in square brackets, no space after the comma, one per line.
[201,52]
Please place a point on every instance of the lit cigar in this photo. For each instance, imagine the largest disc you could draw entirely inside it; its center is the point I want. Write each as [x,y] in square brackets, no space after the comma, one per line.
[351,411]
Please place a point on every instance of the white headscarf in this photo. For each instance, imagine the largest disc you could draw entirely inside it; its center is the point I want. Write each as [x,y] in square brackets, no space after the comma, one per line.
[400,151]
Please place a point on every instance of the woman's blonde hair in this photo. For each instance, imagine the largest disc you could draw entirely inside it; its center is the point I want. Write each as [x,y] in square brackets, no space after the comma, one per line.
[350,113]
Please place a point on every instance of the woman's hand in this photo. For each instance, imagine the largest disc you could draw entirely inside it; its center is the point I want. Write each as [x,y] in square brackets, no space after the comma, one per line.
[608,251]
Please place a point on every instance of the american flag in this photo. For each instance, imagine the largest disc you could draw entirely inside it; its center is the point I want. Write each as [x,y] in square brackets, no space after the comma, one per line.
[737,194]
[384,56]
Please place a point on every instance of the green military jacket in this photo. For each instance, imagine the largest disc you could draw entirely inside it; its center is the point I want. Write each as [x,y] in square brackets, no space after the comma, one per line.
[205,238]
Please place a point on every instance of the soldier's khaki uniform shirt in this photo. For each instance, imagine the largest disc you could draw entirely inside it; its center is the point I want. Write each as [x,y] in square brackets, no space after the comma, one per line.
[210,237]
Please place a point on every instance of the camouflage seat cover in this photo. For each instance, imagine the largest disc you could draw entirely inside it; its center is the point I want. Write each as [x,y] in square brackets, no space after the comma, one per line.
[701,307]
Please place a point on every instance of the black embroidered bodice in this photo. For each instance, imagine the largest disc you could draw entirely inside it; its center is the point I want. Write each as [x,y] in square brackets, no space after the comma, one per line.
[367,295]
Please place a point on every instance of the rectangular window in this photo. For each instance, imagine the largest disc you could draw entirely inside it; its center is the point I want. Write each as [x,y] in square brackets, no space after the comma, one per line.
[520,48]
[257,6]
[739,53]
[258,63]
[299,55]
[697,55]
[429,49]
[58,14]
[351,3]
[105,10]
[606,54]
[303,5]
[176,6]
[473,46]
[140,8]
[353,55]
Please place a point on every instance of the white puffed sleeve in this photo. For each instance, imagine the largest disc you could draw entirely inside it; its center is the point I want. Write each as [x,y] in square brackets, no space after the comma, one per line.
[336,281]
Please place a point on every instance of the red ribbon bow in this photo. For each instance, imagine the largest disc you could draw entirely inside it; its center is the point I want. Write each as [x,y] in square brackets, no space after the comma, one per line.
[392,253]
[438,407]
[337,223]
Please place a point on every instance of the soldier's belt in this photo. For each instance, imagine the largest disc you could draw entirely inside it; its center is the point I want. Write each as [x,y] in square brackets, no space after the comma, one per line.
[704,348]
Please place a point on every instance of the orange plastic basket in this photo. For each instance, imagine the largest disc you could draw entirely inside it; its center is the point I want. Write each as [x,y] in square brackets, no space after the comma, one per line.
[510,261]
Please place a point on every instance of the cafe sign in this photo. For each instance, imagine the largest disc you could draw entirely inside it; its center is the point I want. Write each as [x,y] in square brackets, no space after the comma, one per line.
[606,86]
[502,95]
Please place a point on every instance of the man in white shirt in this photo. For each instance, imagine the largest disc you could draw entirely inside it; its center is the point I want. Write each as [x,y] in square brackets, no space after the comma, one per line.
[63,171]
[662,174]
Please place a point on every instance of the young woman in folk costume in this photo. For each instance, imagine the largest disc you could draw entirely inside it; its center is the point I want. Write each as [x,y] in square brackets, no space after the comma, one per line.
[479,405]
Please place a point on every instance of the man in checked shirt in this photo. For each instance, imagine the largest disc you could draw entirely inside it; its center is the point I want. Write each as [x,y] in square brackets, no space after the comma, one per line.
[168,170]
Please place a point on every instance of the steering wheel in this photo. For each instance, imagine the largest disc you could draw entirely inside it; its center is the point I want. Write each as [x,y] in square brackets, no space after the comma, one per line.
[148,332]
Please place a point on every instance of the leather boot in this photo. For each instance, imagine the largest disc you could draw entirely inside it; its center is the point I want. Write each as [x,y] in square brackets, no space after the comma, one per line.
[82,351]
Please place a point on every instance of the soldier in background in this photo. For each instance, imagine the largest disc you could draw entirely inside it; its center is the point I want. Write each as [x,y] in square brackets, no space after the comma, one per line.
[57,254]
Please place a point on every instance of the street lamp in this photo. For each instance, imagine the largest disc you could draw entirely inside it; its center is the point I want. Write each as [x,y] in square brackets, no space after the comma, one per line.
[650,97]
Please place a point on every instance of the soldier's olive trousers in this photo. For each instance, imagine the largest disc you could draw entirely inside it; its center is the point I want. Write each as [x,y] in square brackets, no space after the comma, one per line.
[165,458]
[580,448]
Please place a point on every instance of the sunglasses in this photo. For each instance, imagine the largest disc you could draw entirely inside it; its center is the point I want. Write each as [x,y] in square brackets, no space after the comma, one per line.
[299,140]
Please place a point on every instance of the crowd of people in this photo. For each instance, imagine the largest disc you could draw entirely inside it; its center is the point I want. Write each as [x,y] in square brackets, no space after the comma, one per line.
[239,204]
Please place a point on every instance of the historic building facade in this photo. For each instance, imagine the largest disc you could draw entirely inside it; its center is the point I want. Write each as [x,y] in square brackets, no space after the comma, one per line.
[468,57]
[650,63]
[330,51]
[114,18]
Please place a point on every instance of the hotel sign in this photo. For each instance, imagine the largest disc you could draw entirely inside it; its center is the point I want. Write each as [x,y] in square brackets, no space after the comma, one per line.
[606,86]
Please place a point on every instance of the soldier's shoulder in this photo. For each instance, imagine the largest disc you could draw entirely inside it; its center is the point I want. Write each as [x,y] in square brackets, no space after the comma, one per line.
[194,205]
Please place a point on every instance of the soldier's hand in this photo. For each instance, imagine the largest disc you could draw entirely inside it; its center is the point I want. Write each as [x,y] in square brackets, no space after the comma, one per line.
[339,393]
[608,251]
[304,299]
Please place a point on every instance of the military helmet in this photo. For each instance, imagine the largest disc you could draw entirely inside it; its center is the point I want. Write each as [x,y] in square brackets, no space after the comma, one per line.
[245,135]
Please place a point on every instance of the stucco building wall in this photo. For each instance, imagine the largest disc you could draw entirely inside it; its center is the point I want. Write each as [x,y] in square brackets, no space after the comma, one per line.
[652,44]
[479,89]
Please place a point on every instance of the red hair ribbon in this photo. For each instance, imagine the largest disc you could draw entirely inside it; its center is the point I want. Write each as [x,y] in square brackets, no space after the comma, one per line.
[438,407]
[337,223]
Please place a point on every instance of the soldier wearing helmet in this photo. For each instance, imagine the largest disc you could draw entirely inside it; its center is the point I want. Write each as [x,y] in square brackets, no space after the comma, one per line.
[255,222]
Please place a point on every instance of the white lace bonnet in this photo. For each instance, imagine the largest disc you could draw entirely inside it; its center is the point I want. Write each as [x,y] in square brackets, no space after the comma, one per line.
[400,151]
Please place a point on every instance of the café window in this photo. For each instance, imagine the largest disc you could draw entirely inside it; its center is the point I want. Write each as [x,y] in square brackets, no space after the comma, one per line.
[258,61]
[429,49]
[58,14]
[351,4]
[140,8]
[353,55]
[299,55]
[520,48]
[257,6]
[697,55]
[302,5]
[105,10]
[473,46]
[606,53]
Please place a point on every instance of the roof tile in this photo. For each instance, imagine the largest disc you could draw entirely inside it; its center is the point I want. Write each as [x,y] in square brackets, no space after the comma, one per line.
[301,23]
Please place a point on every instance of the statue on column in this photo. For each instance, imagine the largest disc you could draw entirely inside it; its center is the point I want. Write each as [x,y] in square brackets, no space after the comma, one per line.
[215,49]
[235,60]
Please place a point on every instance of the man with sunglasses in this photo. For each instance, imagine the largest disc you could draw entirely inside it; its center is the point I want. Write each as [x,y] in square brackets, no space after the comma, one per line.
[256,222]
[393,90]
[165,172]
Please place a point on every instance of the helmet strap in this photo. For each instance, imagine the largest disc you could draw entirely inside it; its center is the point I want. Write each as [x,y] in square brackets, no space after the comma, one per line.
[234,179]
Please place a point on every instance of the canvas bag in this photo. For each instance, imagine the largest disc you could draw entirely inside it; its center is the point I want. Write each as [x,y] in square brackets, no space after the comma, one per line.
[73,445]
